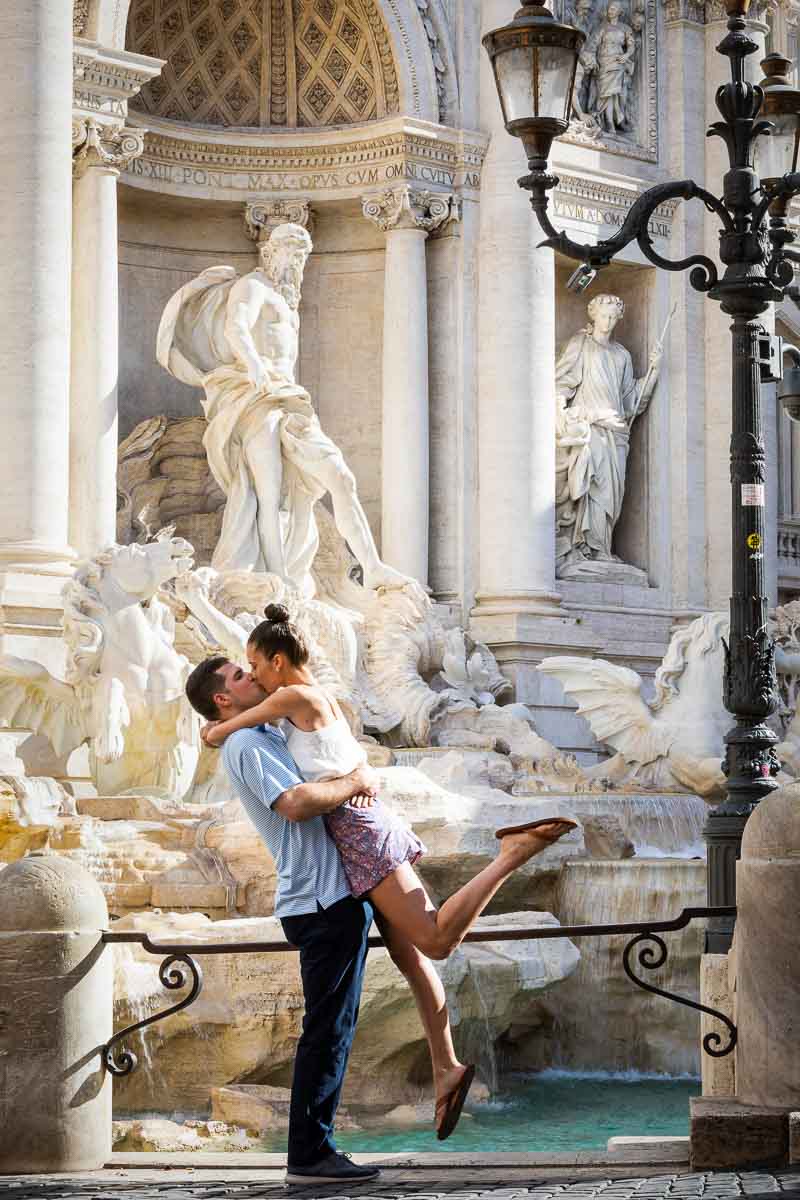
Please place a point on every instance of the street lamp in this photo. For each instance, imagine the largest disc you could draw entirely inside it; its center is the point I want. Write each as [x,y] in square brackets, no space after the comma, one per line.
[534,58]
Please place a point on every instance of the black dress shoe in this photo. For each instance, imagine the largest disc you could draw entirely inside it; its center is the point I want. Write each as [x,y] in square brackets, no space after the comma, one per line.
[336,1168]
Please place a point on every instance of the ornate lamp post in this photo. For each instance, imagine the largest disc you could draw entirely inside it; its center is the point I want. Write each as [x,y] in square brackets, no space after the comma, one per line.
[534,60]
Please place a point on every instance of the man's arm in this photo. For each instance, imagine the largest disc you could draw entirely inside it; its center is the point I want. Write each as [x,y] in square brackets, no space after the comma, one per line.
[308,800]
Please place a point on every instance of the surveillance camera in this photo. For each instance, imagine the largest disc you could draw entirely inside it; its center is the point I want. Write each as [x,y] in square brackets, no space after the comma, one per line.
[580,279]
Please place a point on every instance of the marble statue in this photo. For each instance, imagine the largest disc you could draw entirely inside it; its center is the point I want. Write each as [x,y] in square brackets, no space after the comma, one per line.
[598,399]
[676,740]
[613,48]
[237,338]
[673,742]
[123,692]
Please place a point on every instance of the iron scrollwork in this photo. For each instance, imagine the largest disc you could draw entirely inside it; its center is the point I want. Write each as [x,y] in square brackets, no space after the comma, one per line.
[652,957]
[174,974]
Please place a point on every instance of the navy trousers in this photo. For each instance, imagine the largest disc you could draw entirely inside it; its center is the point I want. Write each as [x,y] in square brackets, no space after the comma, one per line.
[333,951]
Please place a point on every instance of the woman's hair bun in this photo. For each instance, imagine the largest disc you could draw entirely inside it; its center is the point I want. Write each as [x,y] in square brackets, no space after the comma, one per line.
[278,614]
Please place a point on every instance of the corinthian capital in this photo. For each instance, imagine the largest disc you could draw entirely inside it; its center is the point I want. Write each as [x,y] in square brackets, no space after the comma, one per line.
[408,208]
[262,216]
[96,145]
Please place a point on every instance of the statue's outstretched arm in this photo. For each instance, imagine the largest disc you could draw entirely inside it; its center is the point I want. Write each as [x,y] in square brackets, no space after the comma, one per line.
[192,589]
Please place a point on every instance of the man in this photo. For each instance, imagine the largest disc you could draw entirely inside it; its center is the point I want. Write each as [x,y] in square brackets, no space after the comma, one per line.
[238,339]
[314,905]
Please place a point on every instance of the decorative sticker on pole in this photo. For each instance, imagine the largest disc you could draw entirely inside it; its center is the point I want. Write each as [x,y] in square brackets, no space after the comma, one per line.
[752,495]
[754,541]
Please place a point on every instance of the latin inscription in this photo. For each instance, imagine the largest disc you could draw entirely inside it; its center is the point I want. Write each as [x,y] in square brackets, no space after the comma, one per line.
[97,103]
[268,181]
[604,216]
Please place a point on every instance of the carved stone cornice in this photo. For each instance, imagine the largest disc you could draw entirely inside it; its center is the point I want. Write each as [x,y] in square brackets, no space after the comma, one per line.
[103,81]
[109,147]
[316,166]
[692,11]
[262,216]
[706,12]
[408,208]
[598,193]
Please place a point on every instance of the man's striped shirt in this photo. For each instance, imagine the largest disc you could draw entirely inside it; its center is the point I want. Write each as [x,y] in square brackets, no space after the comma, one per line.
[309,868]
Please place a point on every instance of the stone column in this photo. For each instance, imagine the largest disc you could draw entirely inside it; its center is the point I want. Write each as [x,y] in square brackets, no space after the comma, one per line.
[406,216]
[56,1006]
[516,376]
[101,152]
[686,348]
[36,96]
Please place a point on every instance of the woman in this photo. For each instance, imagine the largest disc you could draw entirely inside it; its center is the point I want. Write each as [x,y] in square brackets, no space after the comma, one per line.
[378,850]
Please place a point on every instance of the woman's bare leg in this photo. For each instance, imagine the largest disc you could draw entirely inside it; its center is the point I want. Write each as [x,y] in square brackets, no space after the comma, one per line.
[402,899]
[431,1003]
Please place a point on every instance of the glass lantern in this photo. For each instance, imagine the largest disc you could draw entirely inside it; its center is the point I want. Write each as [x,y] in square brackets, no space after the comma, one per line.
[778,152]
[534,59]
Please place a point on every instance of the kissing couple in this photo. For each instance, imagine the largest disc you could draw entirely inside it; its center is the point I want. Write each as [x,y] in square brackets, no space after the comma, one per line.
[343,859]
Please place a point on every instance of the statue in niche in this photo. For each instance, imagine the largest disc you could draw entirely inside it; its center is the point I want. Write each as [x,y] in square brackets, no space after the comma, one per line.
[613,49]
[598,399]
[237,338]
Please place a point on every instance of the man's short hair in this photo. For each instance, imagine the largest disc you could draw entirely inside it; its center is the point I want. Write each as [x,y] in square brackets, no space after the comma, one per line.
[202,685]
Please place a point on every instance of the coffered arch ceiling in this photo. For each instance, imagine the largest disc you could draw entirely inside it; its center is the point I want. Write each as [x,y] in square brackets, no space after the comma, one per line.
[266,63]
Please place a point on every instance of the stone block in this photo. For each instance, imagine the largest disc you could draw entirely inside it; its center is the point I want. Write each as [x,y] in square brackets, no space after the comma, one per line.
[719,1074]
[794,1139]
[649,1149]
[727,1135]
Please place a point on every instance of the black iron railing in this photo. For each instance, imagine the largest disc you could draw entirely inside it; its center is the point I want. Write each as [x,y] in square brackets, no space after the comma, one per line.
[179,969]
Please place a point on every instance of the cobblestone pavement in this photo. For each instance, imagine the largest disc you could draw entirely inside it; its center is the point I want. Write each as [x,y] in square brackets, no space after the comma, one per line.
[484,1184]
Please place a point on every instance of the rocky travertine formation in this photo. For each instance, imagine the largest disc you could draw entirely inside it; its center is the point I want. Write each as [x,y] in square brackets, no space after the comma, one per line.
[163,479]
[247,1017]
[157,1135]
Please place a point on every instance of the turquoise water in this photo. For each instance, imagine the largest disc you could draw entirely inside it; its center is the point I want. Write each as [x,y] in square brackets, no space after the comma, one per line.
[552,1112]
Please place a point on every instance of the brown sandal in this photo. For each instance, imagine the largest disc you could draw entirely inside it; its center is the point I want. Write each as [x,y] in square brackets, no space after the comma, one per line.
[501,833]
[451,1105]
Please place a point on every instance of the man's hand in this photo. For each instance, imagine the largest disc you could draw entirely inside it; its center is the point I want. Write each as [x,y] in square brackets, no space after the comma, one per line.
[210,735]
[364,782]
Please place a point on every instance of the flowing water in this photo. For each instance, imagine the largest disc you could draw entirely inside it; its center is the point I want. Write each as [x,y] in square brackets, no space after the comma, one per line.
[553,1112]
[600,1019]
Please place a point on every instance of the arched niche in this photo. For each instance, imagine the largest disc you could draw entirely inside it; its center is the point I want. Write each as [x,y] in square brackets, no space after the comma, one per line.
[418,43]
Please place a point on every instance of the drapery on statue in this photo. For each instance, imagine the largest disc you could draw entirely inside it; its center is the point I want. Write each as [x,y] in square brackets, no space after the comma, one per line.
[237,338]
[598,399]
[614,49]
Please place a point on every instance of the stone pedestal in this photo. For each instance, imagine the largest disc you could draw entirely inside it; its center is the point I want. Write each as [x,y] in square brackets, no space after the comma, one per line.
[752,1128]
[727,1135]
[101,152]
[767,959]
[56,1000]
[407,216]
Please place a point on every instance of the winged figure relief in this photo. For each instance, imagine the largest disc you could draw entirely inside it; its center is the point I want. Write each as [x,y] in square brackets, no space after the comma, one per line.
[675,740]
